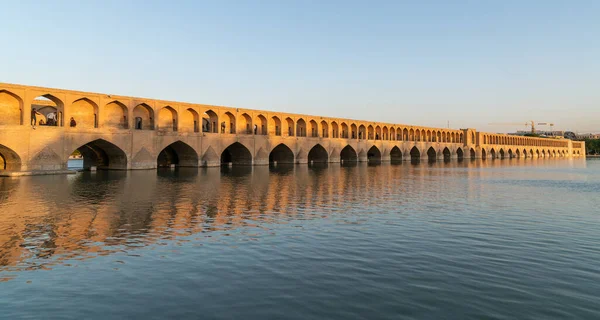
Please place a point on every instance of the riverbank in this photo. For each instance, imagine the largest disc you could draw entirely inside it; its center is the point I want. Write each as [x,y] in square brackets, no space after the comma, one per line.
[34,173]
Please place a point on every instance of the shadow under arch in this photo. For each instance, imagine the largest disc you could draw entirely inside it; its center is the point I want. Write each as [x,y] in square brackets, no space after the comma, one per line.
[415,155]
[281,154]
[103,155]
[318,154]
[431,155]
[177,153]
[395,155]
[348,154]
[447,155]
[236,154]
[9,159]
[459,154]
[374,155]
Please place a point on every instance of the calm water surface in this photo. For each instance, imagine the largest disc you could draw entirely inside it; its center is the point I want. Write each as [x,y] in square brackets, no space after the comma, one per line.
[510,239]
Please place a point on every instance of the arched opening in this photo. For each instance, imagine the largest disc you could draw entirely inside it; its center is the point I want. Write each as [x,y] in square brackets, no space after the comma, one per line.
[167,119]
[510,154]
[447,155]
[275,126]
[378,133]
[501,153]
[395,155]
[144,117]
[115,116]
[290,126]
[189,121]
[301,128]
[101,154]
[353,131]
[518,153]
[344,131]
[179,154]
[11,109]
[525,153]
[245,124]
[324,129]
[318,154]
[459,154]
[493,153]
[415,155]
[236,154]
[370,133]
[472,154]
[314,129]
[47,110]
[210,122]
[9,159]
[374,155]
[483,154]
[335,132]
[362,132]
[385,133]
[431,155]
[348,154]
[281,154]
[228,123]
[84,112]
[260,125]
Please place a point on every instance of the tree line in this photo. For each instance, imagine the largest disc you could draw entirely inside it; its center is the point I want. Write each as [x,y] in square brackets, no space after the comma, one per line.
[592,146]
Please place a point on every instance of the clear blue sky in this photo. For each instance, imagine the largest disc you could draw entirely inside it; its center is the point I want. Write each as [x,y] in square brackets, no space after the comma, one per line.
[420,62]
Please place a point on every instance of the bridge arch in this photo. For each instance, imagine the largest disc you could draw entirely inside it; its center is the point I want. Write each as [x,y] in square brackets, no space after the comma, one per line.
[189,121]
[210,122]
[335,131]
[472,154]
[281,154]
[374,155]
[290,126]
[344,133]
[431,155]
[459,154]
[501,153]
[143,116]
[9,159]
[493,153]
[49,106]
[245,124]
[275,126]
[395,155]
[177,153]
[236,154]
[354,131]
[314,128]
[483,153]
[167,119]
[11,108]
[318,154]
[362,132]
[103,155]
[348,154]
[415,154]
[510,154]
[447,154]
[228,125]
[260,125]
[301,128]
[85,113]
[115,115]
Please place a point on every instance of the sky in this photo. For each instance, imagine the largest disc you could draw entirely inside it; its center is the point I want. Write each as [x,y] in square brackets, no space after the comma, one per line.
[430,63]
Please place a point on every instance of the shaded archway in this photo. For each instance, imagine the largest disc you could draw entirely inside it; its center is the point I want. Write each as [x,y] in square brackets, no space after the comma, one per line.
[167,119]
[115,116]
[210,122]
[11,108]
[85,113]
[431,155]
[281,154]
[348,154]
[459,154]
[395,155]
[236,154]
[9,159]
[510,154]
[473,154]
[483,154]
[415,155]
[447,155]
[103,155]
[177,153]
[189,121]
[301,128]
[374,155]
[493,153]
[51,110]
[275,126]
[143,117]
[501,153]
[318,154]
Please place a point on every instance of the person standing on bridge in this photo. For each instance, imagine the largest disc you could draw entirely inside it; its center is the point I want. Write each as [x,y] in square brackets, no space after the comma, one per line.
[34,114]
[73,124]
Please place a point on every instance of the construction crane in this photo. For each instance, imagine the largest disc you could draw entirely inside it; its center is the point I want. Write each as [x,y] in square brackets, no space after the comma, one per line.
[527,124]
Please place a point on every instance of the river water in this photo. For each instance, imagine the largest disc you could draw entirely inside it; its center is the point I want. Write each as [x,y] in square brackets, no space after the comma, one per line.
[501,239]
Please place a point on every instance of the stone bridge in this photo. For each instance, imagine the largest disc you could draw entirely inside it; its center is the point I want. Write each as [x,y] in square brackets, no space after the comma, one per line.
[119,132]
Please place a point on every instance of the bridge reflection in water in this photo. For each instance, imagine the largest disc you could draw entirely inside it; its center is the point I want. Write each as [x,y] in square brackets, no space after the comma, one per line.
[51,219]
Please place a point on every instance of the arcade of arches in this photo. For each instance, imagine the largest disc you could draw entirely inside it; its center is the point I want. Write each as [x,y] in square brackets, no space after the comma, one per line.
[120,132]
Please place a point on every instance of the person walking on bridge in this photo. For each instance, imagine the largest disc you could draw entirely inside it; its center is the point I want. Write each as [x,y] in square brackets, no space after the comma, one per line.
[34,114]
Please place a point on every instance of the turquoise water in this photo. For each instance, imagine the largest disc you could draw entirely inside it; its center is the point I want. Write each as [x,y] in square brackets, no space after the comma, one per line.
[502,239]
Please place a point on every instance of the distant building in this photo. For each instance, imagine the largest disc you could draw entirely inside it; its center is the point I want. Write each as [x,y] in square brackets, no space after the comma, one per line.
[555,133]
[582,136]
